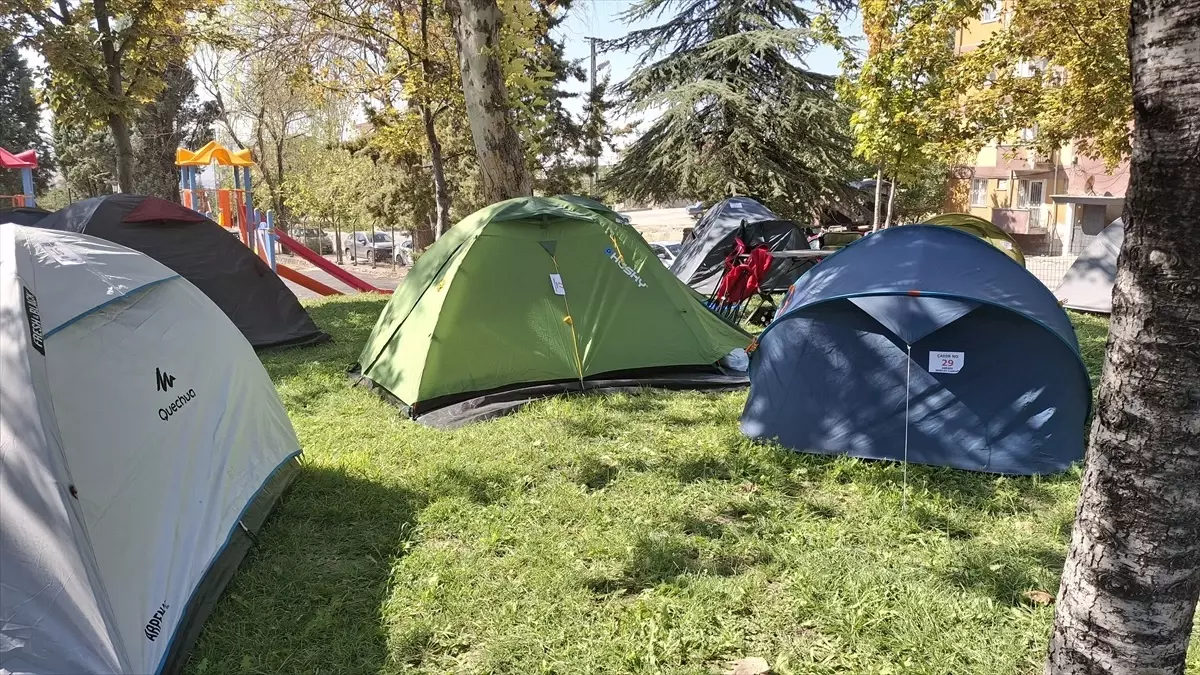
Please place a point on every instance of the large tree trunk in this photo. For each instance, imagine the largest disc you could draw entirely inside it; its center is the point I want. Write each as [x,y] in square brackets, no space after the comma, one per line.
[441,196]
[501,159]
[1131,581]
[117,122]
[119,127]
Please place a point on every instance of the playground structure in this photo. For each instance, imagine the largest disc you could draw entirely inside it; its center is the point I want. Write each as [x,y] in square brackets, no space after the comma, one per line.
[25,162]
[233,209]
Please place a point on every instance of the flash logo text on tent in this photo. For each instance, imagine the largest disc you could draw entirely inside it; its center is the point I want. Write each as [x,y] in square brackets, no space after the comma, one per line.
[629,271]
[36,337]
[163,380]
[154,625]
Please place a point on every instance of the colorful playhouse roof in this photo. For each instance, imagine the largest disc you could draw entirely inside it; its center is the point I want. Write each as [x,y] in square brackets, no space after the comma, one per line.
[20,160]
[213,152]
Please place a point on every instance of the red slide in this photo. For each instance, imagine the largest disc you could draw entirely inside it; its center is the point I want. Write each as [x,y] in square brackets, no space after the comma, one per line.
[324,265]
[306,281]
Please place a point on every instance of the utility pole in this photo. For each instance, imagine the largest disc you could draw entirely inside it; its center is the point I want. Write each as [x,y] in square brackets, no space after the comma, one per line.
[591,91]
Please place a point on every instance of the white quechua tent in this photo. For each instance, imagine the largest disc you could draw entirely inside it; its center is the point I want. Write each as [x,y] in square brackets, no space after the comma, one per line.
[141,446]
[1088,285]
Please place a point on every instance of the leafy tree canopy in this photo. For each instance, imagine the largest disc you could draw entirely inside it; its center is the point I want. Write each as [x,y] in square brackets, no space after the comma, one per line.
[1058,68]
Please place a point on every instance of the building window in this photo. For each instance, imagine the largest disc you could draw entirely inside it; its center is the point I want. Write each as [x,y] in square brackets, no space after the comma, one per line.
[1029,134]
[1001,185]
[990,13]
[1031,194]
[978,192]
[1031,68]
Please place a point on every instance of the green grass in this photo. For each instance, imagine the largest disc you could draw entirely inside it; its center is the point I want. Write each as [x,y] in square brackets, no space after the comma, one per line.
[624,534]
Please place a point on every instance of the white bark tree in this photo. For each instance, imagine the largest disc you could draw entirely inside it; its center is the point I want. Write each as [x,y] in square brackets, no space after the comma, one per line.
[501,158]
[1131,582]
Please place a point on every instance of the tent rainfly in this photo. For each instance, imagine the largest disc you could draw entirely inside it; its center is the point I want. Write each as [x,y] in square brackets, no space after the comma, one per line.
[142,445]
[984,229]
[924,344]
[1088,285]
[537,296]
[701,261]
[204,253]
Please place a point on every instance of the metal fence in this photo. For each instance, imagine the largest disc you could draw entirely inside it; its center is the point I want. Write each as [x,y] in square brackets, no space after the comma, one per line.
[1049,269]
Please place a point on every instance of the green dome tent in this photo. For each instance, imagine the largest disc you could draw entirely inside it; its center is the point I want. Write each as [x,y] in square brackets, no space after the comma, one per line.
[532,297]
[982,229]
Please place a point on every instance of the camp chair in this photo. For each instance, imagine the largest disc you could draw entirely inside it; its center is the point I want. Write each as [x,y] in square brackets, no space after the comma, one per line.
[742,280]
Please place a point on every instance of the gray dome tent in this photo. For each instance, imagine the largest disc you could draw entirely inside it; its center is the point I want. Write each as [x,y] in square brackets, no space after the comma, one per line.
[1088,285]
[22,215]
[204,253]
[701,261]
[142,446]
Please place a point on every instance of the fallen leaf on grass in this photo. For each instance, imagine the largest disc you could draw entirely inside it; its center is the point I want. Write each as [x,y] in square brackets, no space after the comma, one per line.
[751,665]
[1039,597]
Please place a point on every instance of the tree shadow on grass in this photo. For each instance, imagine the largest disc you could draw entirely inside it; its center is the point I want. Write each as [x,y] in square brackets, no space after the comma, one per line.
[307,598]
[1005,574]
[669,559]
[985,492]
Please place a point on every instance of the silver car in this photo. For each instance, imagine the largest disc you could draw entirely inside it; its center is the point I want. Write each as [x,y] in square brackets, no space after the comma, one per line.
[666,251]
[369,246]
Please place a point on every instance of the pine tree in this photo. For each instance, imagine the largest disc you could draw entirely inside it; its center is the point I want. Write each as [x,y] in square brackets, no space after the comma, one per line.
[739,115]
[19,123]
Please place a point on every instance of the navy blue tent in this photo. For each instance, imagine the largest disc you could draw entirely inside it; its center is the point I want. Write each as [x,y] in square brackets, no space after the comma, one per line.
[936,321]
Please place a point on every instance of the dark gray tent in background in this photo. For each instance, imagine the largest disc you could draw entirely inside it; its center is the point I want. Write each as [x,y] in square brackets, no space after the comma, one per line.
[701,261]
[22,215]
[922,343]
[1088,285]
[204,253]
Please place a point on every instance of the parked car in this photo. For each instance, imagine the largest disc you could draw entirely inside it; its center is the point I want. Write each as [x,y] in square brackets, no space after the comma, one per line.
[376,246]
[404,252]
[666,251]
[314,239]
[696,210]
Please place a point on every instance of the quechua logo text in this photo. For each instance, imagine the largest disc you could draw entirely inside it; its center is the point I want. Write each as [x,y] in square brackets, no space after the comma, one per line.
[163,382]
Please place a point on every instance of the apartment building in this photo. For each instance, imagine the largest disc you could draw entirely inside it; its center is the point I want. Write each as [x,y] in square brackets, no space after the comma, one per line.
[1054,204]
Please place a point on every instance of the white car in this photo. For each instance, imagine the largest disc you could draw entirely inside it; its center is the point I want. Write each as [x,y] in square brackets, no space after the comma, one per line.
[404,252]
[370,246]
[666,251]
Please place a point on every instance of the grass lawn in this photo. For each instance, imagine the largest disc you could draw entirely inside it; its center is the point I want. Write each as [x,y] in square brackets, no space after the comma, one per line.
[624,534]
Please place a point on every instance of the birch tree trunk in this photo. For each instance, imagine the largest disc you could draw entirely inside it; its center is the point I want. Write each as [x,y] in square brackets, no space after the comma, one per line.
[878,196]
[501,158]
[887,220]
[1131,581]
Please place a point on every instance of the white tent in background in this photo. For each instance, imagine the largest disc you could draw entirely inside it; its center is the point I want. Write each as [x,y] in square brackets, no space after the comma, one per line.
[141,444]
[1088,285]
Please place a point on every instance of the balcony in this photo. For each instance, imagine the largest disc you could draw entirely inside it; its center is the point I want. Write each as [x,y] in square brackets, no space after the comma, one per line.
[1034,220]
